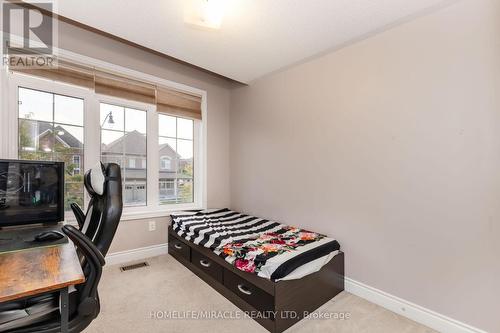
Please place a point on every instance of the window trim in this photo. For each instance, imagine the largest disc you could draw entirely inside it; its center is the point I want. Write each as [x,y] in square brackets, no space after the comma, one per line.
[9,82]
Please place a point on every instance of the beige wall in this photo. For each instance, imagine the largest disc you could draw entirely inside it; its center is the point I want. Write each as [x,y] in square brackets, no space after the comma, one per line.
[134,234]
[401,133]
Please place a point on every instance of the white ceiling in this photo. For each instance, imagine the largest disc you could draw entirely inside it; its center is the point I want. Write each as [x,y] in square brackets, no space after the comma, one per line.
[256,37]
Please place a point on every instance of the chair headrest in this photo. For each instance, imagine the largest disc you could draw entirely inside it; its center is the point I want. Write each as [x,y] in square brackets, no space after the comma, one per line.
[95,179]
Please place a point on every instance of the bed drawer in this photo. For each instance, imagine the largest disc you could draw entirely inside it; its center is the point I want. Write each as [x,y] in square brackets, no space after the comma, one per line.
[178,247]
[251,294]
[206,265]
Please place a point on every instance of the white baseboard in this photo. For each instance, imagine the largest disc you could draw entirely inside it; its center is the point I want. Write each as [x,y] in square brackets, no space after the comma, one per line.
[136,254]
[407,309]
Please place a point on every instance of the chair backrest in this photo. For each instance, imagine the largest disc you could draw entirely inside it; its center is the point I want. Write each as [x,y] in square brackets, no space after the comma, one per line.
[104,185]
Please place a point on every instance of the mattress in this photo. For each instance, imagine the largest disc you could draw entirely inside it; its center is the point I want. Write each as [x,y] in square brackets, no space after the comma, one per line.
[264,247]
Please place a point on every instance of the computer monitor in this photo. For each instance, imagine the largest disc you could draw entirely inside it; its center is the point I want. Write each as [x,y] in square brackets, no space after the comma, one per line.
[31,192]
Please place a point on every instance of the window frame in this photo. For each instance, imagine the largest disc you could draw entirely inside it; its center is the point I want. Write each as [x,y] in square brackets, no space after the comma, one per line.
[147,108]
[92,137]
[16,81]
[177,138]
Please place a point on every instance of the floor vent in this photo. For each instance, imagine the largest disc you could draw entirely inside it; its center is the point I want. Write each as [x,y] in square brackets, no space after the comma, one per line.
[134,266]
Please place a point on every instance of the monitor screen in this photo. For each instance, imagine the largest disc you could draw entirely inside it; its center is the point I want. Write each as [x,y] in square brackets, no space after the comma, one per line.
[31,192]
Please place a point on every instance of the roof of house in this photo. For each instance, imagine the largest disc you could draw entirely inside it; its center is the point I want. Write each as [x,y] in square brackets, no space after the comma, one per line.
[61,134]
[134,143]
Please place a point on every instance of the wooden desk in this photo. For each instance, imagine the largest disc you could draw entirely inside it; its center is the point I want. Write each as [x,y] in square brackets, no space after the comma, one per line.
[38,271]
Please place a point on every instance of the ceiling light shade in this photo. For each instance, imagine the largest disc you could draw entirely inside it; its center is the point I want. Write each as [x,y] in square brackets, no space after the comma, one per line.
[205,13]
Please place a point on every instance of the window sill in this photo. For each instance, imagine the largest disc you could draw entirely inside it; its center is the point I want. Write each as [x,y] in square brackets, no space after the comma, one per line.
[146,213]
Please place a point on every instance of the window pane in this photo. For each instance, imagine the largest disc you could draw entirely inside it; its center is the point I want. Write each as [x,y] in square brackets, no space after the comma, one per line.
[34,104]
[112,117]
[74,192]
[126,145]
[167,126]
[68,138]
[135,120]
[51,141]
[108,138]
[168,191]
[107,158]
[184,128]
[134,180]
[186,168]
[29,137]
[185,148]
[134,193]
[185,190]
[68,110]
[176,160]
[167,143]
[135,143]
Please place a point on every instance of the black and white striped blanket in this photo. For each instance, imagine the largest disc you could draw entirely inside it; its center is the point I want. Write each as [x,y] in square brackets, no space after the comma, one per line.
[264,247]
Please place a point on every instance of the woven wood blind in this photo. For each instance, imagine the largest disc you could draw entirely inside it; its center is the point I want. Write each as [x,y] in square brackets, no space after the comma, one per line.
[122,87]
[167,101]
[178,104]
[65,72]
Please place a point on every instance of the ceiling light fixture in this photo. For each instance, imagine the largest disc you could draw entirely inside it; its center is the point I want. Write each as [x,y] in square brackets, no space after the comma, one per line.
[205,13]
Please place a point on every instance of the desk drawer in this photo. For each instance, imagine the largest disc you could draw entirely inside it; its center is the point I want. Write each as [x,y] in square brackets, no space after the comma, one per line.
[178,247]
[207,265]
[251,294]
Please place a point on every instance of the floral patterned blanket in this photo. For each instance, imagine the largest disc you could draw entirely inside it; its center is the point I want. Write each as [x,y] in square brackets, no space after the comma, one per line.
[253,254]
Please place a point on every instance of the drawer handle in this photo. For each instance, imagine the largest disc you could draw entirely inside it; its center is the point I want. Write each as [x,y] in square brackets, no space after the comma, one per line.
[204,263]
[178,246]
[244,289]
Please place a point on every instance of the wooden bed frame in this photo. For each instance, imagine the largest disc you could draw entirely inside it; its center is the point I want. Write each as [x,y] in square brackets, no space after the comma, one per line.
[289,300]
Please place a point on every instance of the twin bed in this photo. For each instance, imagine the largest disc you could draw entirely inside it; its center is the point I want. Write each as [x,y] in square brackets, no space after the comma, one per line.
[276,273]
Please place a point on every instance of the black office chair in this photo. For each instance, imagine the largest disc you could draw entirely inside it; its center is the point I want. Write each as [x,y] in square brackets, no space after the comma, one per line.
[99,224]
[41,314]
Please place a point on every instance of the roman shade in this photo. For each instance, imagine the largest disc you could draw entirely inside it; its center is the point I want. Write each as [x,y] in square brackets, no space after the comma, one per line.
[167,100]
[178,104]
[64,72]
[122,87]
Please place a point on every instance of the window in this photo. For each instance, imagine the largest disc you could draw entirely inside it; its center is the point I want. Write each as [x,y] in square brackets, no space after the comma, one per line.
[123,140]
[51,127]
[48,120]
[176,147]
[165,163]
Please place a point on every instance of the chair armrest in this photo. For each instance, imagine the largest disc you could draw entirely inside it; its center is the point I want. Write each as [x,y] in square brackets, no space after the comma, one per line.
[80,216]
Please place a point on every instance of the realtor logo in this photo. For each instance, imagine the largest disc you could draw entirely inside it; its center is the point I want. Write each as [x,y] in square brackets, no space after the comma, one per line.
[29,36]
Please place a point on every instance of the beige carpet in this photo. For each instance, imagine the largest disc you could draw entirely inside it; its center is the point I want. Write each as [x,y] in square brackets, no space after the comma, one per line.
[131,299]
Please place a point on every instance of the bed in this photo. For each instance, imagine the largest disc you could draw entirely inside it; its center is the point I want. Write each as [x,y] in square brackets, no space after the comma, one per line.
[275,273]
